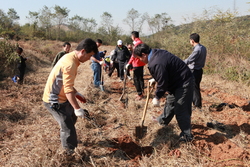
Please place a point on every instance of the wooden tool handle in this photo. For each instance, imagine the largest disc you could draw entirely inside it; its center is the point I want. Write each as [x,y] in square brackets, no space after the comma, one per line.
[146,104]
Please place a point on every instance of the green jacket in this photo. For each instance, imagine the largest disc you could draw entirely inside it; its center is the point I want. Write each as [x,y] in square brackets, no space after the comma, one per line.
[58,56]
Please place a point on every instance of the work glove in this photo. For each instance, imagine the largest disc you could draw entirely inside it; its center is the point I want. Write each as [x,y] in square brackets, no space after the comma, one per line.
[111,62]
[82,113]
[101,62]
[126,67]
[80,97]
[156,102]
[151,82]
[79,112]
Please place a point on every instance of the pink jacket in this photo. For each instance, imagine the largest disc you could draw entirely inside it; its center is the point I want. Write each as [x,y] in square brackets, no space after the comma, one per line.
[136,62]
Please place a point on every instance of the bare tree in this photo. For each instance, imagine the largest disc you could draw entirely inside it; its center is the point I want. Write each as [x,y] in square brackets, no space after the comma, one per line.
[158,22]
[134,20]
[107,22]
[89,24]
[45,20]
[60,16]
[12,14]
[33,17]
[107,29]
[75,22]
[8,25]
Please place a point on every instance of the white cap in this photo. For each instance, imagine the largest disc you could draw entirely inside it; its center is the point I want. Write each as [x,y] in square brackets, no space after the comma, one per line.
[119,42]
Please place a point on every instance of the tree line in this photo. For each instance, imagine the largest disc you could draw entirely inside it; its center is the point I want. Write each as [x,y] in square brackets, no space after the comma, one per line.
[54,23]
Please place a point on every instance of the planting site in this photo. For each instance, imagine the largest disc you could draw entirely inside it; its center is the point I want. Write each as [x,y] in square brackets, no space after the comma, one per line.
[30,136]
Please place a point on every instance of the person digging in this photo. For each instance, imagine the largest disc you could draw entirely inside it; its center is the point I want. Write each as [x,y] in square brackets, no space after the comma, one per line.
[173,76]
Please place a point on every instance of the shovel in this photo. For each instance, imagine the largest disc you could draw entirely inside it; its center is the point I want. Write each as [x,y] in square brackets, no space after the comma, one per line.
[124,84]
[140,131]
[102,78]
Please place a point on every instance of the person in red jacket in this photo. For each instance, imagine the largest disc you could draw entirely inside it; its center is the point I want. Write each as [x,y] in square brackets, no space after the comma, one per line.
[138,66]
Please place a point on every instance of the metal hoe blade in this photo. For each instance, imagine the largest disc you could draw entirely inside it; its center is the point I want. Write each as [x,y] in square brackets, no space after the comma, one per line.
[91,119]
[140,131]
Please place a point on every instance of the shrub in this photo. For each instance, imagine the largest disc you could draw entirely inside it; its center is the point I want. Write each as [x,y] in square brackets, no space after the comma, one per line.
[7,58]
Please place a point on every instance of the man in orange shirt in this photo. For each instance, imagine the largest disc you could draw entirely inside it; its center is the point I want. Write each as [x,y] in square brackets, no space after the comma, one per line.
[60,95]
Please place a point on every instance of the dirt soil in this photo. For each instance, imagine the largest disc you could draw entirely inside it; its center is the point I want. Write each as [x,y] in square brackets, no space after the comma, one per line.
[221,128]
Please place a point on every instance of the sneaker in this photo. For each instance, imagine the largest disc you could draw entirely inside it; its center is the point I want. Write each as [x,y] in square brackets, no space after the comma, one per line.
[186,139]
[69,152]
[138,97]
[66,151]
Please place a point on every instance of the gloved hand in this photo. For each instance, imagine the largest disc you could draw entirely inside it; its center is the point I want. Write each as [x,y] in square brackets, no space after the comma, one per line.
[101,62]
[156,102]
[111,62]
[79,112]
[151,82]
[80,97]
[126,67]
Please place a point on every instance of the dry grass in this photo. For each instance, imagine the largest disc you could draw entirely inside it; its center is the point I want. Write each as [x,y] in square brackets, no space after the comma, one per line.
[29,136]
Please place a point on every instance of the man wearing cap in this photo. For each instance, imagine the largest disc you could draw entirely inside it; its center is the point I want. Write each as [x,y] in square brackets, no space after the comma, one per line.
[122,54]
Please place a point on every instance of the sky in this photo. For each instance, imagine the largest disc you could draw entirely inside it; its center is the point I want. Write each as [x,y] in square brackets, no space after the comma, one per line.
[176,9]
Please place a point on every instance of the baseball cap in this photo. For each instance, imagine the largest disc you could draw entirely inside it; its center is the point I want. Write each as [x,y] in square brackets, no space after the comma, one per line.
[119,42]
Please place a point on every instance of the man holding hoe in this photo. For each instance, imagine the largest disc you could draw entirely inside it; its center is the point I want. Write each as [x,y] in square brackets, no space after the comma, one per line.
[173,76]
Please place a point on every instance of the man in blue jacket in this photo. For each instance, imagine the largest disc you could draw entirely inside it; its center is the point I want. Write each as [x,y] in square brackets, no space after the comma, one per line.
[173,76]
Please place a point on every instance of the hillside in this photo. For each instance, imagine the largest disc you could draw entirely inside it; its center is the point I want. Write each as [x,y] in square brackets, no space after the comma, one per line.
[29,136]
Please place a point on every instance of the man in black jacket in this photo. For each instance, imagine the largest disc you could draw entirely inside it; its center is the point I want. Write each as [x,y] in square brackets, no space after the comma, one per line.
[122,54]
[173,76]
[21,64]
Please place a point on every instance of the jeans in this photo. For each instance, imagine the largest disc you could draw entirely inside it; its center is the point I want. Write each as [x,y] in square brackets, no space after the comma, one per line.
[66,119]
[96,67]
[179,104]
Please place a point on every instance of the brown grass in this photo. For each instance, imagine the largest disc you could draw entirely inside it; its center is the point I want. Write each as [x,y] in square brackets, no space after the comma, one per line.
[29,136]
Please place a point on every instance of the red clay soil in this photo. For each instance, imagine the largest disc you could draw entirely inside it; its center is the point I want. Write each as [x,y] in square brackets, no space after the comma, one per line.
[130,147]
[214,143]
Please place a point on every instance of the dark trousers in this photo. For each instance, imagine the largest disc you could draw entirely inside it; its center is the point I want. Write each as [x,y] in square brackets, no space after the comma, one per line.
[121,69]
[179,104]
[138,79]
[113,67]
[66,119]
[197,101]
[21,74]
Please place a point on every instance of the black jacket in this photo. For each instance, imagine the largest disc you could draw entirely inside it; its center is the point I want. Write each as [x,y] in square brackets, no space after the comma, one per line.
[169,71]
[21,62]
[121,54]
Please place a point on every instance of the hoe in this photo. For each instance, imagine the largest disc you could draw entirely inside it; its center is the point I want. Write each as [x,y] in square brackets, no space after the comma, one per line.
[140,131]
